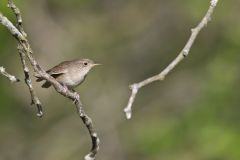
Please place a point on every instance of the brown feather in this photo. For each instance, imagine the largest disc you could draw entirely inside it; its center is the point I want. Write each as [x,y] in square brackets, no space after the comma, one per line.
[46,85]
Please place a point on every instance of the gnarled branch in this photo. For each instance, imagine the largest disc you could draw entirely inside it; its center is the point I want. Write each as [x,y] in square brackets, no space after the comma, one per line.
[24,49]
[34,98]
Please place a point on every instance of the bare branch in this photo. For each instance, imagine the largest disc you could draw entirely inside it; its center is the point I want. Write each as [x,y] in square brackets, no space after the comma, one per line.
[34,99]
[25,49]
[17,13]
[184,53]
[9,76]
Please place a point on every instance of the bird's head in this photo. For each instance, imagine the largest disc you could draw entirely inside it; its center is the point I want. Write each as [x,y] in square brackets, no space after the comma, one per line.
[87,64]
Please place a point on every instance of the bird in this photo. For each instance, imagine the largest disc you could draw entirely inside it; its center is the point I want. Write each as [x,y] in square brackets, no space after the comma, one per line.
[69,73]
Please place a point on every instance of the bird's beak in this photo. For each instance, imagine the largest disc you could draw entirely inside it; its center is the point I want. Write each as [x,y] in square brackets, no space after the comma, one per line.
[97,64]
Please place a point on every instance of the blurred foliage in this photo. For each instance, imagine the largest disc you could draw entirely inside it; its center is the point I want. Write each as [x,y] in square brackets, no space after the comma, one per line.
[192,115]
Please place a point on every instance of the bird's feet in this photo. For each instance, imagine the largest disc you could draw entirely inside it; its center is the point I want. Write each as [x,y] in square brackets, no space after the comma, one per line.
[76,97]
[65,88]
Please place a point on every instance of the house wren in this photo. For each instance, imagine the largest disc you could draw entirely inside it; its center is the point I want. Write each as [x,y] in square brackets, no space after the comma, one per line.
[69,73]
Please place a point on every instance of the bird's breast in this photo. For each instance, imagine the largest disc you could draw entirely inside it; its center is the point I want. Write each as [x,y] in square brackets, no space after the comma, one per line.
[71,79]
[78,77]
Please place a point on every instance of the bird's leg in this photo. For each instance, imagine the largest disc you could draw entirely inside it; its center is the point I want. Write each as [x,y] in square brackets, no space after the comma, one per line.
[76,96]
[65,87]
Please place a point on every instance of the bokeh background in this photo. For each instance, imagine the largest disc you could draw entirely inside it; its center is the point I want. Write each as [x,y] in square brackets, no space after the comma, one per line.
[193,115]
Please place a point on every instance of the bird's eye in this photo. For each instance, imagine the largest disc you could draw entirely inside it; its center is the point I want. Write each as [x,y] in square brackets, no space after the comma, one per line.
[85,63]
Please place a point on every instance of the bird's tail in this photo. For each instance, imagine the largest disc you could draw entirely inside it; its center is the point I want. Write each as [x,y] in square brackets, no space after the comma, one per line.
[39,79]
[46,85]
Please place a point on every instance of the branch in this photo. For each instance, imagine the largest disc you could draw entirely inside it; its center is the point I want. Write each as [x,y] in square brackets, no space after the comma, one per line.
[17,13]
[184,53]
[9,76]
[25,49]
[34,99]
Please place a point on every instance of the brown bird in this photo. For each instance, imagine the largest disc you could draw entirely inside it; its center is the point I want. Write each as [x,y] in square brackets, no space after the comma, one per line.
[69,73]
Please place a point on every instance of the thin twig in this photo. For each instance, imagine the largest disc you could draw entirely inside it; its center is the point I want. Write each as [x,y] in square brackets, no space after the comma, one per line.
[88,123]
[17,13]
[12,78]
[58,87]
[34,98]
[184,53]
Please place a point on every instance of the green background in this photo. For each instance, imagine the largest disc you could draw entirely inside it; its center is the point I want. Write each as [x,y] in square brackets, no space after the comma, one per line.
[193,115]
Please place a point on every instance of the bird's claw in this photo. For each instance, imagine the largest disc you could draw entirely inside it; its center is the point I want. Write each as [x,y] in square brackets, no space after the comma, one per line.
[65,88]
[76,97]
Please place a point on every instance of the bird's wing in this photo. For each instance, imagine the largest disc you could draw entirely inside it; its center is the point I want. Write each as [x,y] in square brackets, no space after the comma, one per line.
[59,69]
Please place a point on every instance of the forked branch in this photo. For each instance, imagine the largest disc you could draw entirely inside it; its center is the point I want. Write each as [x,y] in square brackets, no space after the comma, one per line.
[25,50]
[34,98]
[184,53]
